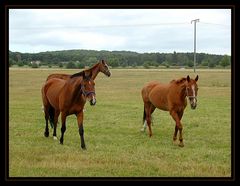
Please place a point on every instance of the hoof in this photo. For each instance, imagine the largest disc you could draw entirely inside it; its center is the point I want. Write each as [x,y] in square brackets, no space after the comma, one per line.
[175,142]
[142,130]
[61,141]
[55,137]
[46,134]
[84,147]
[181,145]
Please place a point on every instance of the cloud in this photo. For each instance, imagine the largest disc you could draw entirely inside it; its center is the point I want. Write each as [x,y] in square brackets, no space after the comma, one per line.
[140,30]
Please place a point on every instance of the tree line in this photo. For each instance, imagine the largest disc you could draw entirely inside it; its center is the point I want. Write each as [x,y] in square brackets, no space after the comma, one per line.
[82,58]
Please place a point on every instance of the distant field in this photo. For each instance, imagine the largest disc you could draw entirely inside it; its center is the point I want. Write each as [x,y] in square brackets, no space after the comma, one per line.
[115,145]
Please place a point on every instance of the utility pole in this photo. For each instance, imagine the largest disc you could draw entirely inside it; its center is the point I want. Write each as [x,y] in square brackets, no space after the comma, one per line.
[195,21]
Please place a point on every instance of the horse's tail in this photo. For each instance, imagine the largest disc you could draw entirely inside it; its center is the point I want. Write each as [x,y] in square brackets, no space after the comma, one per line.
[51,115]
[144,115]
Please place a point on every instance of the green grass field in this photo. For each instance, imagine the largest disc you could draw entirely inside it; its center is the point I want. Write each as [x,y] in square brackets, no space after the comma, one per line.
[115,145]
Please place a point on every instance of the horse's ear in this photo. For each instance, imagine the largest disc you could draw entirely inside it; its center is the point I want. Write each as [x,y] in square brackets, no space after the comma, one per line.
[188,78]
[196,78]
[103,62]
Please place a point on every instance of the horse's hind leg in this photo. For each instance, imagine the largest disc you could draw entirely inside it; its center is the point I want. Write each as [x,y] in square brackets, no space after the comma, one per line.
[46,110]
[46,132]
[175,133]
[56,114]
[148,110]
[144,120]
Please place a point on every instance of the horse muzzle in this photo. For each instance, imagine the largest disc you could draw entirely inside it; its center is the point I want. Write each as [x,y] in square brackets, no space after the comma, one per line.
[193,106]
[93,101]
[108,74]
[193,102]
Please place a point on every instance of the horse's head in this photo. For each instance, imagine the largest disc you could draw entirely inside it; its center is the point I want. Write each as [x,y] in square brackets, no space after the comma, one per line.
[88,88]
[104,68]
[191,91]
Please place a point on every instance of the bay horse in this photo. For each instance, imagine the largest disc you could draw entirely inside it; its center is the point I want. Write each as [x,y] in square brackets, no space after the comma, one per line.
[169,97]
[100,66]
[67,97]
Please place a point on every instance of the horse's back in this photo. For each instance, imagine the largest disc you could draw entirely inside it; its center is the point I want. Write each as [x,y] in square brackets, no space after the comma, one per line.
[147,89]
[59,76]
[156,93]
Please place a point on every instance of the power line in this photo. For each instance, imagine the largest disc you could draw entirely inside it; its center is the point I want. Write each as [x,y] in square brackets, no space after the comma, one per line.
[216,24]
[97,26]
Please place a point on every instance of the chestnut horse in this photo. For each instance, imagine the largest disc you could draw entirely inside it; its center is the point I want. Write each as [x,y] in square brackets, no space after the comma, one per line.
[95,69]
[67,97]
[169,97]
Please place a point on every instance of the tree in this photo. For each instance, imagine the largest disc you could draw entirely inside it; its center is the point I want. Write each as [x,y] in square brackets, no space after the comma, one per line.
[146,65]
[71,65]
[113,63]
[205,62]
[20,64]
[174,58]
[34,65]
[80,65]
[11,62]
[225,61]
[211,64]
[166,64]
[60,65]
[190,63]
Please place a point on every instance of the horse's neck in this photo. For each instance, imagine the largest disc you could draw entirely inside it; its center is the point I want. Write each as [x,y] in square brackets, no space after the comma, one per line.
[181,90]
[74,86]
[95,70]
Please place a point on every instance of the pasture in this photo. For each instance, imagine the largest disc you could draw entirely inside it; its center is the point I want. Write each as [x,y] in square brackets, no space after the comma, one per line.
[115,145]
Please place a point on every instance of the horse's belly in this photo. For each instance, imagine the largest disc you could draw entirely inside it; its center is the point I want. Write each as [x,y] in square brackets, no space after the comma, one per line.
[160,103]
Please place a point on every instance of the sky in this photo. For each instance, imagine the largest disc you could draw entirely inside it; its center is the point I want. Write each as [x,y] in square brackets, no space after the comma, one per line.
[137,30]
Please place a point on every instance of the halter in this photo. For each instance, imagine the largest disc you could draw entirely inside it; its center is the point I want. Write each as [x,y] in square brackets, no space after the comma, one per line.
[106,71]
[195,97]
[86,93]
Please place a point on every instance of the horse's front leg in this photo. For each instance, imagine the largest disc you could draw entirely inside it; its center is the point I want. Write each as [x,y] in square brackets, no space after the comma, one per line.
[80,129]
[180,114]
[63,129]
[178,126]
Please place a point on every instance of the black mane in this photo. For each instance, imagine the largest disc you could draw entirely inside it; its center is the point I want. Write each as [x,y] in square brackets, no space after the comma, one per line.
[181,80]
[83,74]
[78,74]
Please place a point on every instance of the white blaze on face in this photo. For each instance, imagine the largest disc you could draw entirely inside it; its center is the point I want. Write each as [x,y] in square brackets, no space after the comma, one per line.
[194,94]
